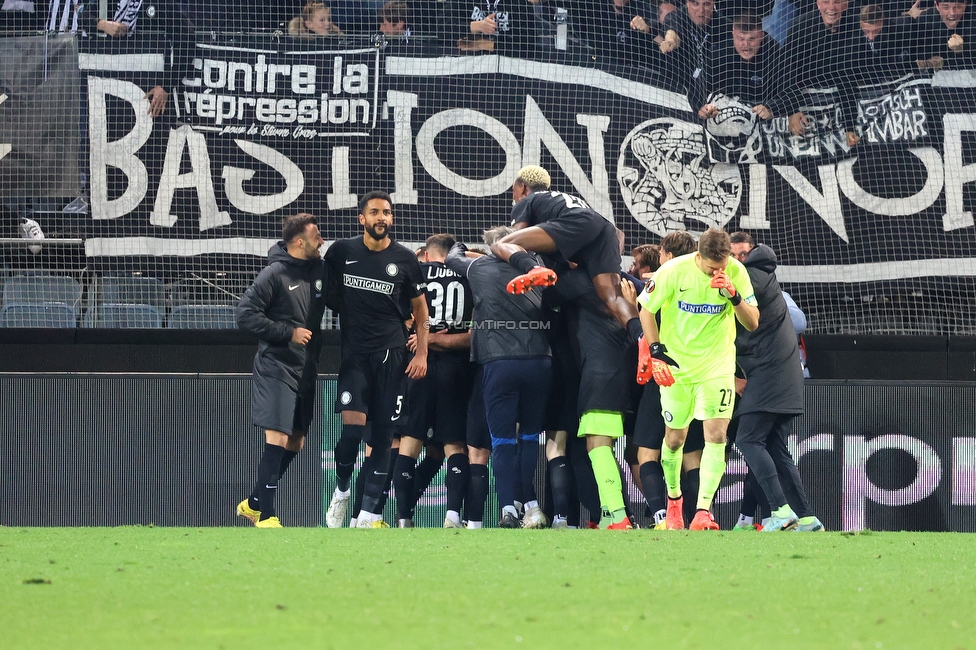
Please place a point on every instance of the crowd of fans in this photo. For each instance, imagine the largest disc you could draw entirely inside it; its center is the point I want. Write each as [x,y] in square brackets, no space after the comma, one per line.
[764,52]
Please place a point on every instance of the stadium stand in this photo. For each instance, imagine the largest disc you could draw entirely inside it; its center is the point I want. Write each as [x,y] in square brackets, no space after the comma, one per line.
[51,293]
[202,317]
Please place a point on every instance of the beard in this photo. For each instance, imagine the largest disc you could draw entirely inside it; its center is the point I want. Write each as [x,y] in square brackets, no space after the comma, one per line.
[377,232]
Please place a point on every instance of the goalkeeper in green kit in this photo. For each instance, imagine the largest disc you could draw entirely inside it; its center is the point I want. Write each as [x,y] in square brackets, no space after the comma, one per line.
[691,356]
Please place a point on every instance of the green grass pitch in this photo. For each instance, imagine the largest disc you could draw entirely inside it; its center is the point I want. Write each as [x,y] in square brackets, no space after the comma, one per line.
[426,588]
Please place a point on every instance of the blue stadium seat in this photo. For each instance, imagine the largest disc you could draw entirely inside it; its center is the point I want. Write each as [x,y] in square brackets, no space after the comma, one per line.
[202,317]
[133,290]
[127,316]
[51,314]
[43,289]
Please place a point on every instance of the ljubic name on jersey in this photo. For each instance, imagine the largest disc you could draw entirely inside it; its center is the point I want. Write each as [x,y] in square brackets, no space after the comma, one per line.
[448,299]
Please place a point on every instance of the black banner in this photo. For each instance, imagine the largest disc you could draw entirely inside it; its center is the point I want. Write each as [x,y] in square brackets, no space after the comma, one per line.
[40,122]
[446,135]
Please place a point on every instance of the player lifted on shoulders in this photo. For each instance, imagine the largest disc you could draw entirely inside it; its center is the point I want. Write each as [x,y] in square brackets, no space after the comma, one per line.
[563,227]
[692,358]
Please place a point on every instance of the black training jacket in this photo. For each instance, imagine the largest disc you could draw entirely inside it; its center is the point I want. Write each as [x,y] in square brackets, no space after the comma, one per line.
[288,293]
[769,356]
[504,326]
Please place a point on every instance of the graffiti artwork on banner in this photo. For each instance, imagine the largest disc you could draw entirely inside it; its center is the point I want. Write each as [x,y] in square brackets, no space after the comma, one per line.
[893,113]
[667,182]
[733,134]
[823,137]
[266,94]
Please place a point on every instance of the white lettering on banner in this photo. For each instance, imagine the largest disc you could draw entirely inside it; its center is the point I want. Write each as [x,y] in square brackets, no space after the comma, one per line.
[896,116]
[4,147]
[260,77]
[235,178]
[823,135]
[949,173]
[341,197]
[900,207]
[755,219]
[957,174]
[827,204]
[453,181]
[213,95]
[119,153]
[964,471]
[403,104]
[859,489]
[539,131]
[198,178]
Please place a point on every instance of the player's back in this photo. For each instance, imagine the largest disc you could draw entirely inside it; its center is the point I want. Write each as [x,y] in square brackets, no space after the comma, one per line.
[504,325]
[449,300]
[550,205]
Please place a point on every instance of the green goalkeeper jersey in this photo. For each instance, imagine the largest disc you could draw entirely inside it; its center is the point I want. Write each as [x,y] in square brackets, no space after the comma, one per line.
[697,323]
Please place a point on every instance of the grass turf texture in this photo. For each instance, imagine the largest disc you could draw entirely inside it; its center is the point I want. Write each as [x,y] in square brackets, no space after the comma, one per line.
[241,588]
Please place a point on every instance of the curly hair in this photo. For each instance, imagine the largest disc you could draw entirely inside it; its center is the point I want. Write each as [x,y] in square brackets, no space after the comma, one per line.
[534,177]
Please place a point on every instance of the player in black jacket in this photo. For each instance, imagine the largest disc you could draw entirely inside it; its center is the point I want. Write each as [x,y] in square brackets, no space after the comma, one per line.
[773,393]
[283,308]
[376,279]
[509,340]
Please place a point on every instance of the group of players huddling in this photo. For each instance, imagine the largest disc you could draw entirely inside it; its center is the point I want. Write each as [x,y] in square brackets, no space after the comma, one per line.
[472,355]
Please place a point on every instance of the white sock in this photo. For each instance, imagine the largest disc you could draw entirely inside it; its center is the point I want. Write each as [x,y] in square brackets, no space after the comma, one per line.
[340,493]
[744,520]
[352,522]
[375,517]
[558,519]
[510,510]
[531,504]
[474,524]
[364,516]
[454,516]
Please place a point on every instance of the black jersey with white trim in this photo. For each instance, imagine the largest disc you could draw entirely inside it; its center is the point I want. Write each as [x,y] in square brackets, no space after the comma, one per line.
[449,299]
[548,205]
[376,288]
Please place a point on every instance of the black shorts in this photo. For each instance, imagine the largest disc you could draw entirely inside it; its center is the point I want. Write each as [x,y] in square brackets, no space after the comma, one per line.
[277,406]
[373,384]
[649,425]
[401,414]
[438,403]
[587,239]
[562,413]
[608,364]
[478,435]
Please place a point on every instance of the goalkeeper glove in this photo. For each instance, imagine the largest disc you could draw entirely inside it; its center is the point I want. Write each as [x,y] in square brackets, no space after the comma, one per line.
[725,288]
[653,361]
